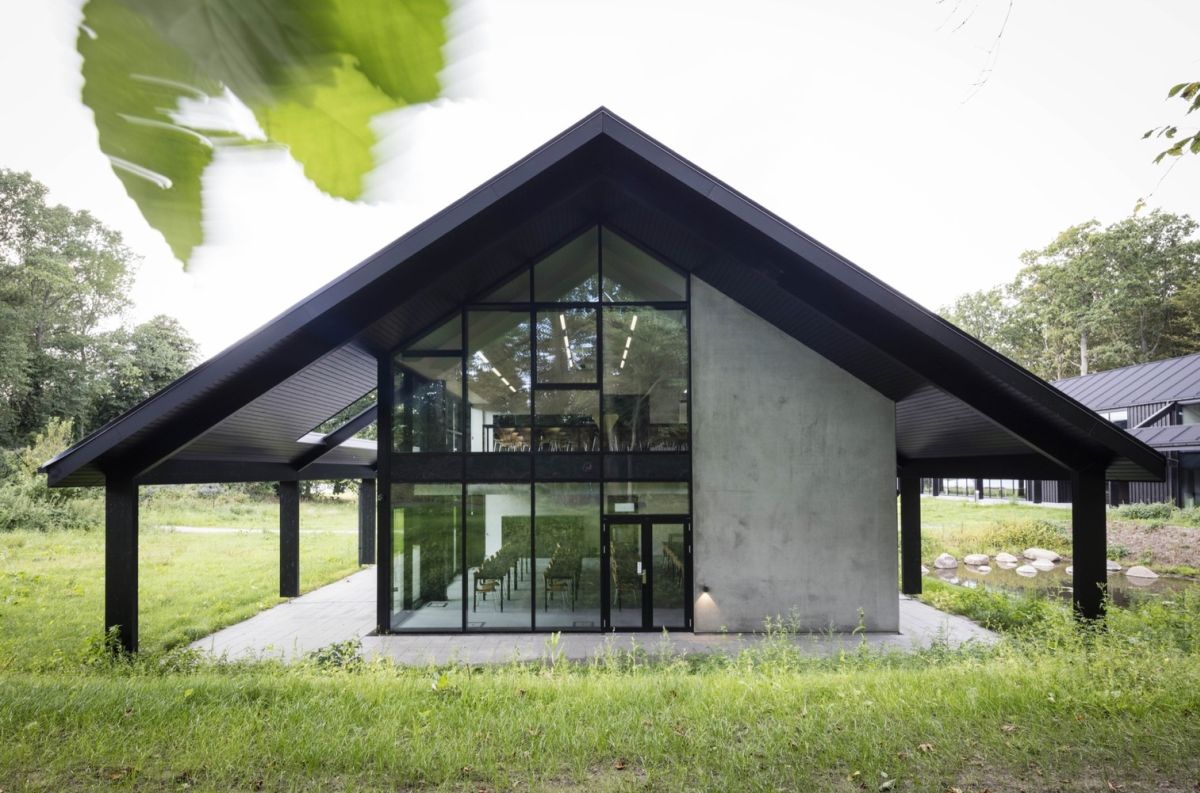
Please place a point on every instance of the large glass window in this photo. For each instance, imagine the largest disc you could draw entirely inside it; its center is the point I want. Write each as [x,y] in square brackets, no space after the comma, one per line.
[570,274]
[426,557]
[632,275]
[566,346]
[567,421]
[428,411]
[645,380]
[646,498]
[498,380]
[447,336]
[567,543]
[500,581]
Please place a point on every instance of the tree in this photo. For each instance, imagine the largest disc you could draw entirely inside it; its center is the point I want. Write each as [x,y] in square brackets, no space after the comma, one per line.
[1095,298]
[1189,93]
[140,363]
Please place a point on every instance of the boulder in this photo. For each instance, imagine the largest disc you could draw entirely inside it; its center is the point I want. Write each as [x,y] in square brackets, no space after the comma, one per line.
[975,559]
[1112,566]
[1041,553]
[1004,557]
[1044,565]
[1137,571]
[945,562]
[924,570]
[1070,569]
[983,568]
[1027,571]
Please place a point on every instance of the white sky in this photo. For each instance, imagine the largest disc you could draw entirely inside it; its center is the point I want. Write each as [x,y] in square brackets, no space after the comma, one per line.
[858,122]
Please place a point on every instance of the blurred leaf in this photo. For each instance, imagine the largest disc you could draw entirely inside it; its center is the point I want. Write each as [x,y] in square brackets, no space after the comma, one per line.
[314,73]
[1176,89]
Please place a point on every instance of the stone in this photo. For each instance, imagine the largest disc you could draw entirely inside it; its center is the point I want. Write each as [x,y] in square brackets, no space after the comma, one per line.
[924,570]
[975,559]
[1004,557]
[1044,565]
[1041,553]
[1112,566]
[983,568]
[1070,569]
[1137,571]
[1027,571]
[945,562]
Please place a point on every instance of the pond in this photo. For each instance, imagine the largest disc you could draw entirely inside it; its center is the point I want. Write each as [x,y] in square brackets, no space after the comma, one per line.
[1057,583]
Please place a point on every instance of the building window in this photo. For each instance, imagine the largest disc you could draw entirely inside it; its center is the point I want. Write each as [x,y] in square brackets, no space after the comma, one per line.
[499,381]
[499,552]
[645,380]
[1118,417]
[428,411]
[426,566]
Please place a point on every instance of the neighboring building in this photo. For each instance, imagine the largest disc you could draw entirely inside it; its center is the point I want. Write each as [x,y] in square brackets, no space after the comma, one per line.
[612,393]
[1159,404]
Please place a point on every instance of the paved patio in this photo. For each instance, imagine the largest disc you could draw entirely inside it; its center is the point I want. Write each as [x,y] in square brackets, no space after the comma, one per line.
[346,610]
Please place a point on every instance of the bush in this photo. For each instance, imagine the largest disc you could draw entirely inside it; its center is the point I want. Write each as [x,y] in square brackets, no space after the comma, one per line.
[1016,536]
[25,500]
[995,610]
[1159,512]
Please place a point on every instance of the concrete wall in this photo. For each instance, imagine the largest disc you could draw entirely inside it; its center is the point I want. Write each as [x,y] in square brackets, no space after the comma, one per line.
[794,475]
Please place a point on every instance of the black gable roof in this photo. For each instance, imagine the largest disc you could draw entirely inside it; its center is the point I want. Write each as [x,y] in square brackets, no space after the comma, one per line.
[962,408]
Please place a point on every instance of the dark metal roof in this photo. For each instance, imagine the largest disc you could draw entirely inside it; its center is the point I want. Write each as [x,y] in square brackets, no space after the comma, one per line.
[1177,438]
[1172,380]
[961,407]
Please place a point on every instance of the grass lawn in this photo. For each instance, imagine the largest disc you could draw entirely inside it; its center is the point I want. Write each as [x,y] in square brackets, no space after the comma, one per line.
[180,507]
[1049,708]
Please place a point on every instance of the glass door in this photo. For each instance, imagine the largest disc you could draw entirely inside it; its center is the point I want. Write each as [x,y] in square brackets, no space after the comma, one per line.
[647,573]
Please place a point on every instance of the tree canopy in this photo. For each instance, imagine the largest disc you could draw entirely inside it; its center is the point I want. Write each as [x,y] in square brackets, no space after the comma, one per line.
[64,351]
[1095,298]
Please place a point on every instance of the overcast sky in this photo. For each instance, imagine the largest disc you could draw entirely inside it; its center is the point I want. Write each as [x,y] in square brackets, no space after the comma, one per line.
[862,123]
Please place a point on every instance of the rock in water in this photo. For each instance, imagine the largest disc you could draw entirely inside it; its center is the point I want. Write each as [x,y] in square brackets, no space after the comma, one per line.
[1041,553]
[1137,571]
[983,568]
[1027,571]
[945,562]
[975,559]
[1006,558]
[1112,566]
[1045,565]
[1070,569]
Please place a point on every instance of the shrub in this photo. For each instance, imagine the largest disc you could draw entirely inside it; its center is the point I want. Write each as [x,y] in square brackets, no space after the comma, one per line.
[25,500]
[1160,512]
[1030,534]
[996,610]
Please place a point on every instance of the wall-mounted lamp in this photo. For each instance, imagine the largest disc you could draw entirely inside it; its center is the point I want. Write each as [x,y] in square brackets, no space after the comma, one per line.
[704,588]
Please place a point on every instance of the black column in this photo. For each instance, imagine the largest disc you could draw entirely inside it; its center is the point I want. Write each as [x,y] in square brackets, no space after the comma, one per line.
[910,535]
[937,487]
[383,479]
[1089,543]
[366,521]
[978,489]
[1036,487]
[289,539]
[121,561]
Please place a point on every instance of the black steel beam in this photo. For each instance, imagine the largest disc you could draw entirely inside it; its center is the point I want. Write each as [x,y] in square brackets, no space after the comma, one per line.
[289,539]
[121,561]
[188,472]
[366,521]
[335,439]
[1013,466]
[1156,415]
[910,535]
[383,528]
[1089,544]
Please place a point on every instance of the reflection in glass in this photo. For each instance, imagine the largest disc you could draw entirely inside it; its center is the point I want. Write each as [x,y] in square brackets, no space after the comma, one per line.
[567,421]
[426,571]
[566,346]
[626,572]
[428,410]
[645,380]
[567,542]
[646,498]
[498,380]
[499,573]
[570,274]
[632,275]
[668,578]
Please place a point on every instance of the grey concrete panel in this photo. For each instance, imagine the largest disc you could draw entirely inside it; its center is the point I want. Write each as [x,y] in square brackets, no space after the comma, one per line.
[794,477]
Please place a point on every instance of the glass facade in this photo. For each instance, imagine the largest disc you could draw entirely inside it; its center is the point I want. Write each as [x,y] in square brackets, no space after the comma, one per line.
[507,417]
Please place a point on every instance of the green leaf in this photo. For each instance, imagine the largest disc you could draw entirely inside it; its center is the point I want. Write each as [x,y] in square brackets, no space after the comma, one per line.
[1176,89]
[1195,147]
[132,81]
[325,121]
[315,73]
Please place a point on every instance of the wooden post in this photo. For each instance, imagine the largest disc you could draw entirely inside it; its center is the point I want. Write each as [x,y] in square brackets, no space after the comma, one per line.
[289,539]
[366,521]
[1089,544]
[121,561]
[910,535]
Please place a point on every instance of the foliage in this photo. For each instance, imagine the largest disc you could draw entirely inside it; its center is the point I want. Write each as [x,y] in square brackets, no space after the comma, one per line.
[26,502]
[314,74]
[63,284]
[1095,298]
[1163,511]
[993,609]
[1189,93]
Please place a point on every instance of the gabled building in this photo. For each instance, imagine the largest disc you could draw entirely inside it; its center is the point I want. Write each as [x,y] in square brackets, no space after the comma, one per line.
[612,393]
